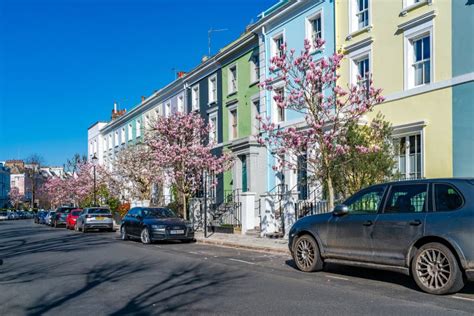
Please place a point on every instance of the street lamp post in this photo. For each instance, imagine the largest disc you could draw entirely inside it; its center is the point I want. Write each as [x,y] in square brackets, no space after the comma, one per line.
[94,163]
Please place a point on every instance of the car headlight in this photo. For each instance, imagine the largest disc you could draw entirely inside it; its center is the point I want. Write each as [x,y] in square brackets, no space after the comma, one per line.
[159,228]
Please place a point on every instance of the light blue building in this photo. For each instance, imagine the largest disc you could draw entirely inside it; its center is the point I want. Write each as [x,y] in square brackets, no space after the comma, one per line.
[294,23]
[4,185]
[463,93]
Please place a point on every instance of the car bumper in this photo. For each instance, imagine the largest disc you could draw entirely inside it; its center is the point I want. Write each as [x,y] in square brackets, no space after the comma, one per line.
[99,226]
[167,236]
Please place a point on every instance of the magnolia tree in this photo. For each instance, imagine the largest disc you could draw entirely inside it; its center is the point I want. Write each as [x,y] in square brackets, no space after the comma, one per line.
[135,167]
[179,144]
[15,197]
[310,87]
[79,188]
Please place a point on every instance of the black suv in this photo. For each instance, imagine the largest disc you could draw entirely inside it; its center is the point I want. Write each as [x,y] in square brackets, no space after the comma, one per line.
[422,228]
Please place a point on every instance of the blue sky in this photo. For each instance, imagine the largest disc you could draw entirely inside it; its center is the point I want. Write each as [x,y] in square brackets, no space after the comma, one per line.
[64,62]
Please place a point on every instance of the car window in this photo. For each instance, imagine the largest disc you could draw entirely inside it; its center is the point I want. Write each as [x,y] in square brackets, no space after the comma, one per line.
[410,198]
[76,213]
[447,198]
[100,211]
[133,212]
[158,213]
[366,202]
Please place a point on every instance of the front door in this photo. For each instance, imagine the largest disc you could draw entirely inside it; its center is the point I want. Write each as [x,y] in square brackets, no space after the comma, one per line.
[349,236]
[401,223]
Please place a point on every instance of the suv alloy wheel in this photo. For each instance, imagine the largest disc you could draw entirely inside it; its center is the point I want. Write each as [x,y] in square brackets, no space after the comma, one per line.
[436,270]
[306,254]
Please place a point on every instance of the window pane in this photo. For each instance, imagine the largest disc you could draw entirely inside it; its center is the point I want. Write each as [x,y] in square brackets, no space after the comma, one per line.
[366,202]
[418,74]
[417,50]
[406,199]
[427,69]
[447,198]
[426,48]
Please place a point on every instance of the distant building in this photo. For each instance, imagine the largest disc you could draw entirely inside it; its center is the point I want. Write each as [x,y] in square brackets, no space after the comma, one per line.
[4,185]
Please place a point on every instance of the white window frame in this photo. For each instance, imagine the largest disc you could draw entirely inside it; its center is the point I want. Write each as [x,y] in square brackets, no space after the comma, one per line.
[116,138]
[233,107]
[195,97]
[95,146]
[355,57]
[230,86]
[309,26]
[130,131]
[353,16]
[274,49]
[212,89]
[407,154]
[214,135]
[122,135]
[254,68]
[110,141]
[255,123]
[168,108]
[138,128]
[410,35]
[180,102]
[275,108]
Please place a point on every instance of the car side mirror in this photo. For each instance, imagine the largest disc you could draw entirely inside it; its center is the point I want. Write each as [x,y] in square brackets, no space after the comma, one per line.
[340,210]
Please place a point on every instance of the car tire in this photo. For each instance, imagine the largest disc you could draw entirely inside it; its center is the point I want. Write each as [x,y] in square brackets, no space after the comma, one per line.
[123,233]
[306,254]
[145,236]
[435,270]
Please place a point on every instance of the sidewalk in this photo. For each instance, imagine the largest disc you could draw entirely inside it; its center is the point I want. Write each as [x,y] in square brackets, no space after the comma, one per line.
[277,246]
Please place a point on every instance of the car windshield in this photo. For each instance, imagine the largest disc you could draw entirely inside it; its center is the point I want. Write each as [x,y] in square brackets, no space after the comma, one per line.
[158,212]
[76,213]
[99,211]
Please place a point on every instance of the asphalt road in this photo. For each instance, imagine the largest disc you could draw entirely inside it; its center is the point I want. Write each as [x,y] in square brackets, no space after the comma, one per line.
[49,271]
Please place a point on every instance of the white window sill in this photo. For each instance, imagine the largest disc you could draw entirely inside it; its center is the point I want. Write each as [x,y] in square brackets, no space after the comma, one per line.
[253,83]
[232,93]
[412,7]
[366,29]
[212,103]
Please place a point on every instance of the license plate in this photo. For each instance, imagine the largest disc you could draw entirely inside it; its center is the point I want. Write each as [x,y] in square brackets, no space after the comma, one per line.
[99,218]
[177,232]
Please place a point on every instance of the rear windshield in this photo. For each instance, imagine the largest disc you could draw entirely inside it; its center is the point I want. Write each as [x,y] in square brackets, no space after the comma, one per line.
[158,212]
[99,211]
[76,213]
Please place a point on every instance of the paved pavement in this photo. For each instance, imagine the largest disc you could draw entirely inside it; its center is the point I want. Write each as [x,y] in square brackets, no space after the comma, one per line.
[268,245]
[49,271]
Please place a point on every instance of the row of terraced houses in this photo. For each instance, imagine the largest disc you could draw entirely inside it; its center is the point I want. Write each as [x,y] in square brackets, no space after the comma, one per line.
[419,51]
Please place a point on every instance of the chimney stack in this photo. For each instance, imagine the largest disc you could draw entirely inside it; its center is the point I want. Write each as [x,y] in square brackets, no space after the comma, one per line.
[115,107]
[143,99]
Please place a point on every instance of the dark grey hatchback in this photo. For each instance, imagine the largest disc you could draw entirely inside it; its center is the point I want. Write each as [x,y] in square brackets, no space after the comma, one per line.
[422,228]
[151,224]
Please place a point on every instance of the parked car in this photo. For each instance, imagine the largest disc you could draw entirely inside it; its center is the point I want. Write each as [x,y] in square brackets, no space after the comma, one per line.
[3,216]
[422,228]
[60,216]
[94,218]
[37,216]
[41,217]
[72,217]
[153,224]
[11,215]
[48,220]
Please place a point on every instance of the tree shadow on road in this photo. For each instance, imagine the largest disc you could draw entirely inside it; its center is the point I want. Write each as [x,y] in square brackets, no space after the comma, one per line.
[178,289]
[58,243]
[181,289]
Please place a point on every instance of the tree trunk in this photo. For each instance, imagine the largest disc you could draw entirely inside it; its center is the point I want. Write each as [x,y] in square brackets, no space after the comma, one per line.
[330,192]
[185,215]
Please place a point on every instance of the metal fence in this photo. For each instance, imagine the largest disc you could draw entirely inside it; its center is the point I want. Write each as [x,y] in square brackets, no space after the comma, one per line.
[306,208]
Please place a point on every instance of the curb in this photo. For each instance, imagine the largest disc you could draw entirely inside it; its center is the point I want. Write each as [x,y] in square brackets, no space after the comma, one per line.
[240,246]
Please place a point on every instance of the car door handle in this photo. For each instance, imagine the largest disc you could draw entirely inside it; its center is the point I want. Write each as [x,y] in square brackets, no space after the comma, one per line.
[416,222]
[368,223]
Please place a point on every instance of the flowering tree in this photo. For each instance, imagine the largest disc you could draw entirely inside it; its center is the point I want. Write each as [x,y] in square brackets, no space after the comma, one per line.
[180,146]
[310,87]
[135,167]
[15,197]
[79,187]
